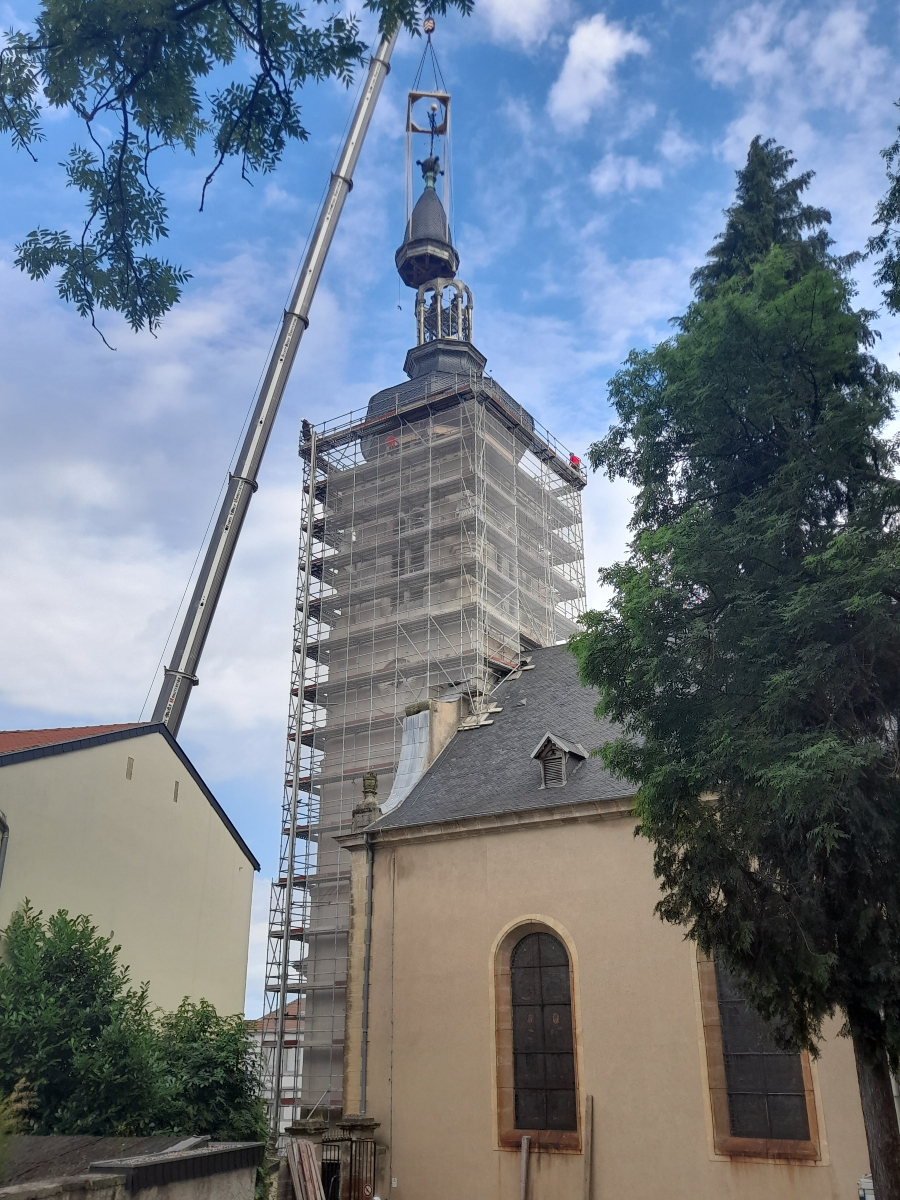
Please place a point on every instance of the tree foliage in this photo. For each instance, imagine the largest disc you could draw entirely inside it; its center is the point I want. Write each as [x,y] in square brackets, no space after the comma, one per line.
[210,1073]
[886,242]
[751,649]
[133,73]
[767,212]
[93,1057]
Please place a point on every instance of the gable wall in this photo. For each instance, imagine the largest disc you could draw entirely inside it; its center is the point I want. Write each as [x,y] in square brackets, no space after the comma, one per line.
[167,878]
[439,908]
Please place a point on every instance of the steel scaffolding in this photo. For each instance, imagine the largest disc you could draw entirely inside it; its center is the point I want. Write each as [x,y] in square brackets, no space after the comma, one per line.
[441,540]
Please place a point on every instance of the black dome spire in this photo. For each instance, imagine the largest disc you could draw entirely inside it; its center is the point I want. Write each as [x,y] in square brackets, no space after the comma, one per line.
[427,252]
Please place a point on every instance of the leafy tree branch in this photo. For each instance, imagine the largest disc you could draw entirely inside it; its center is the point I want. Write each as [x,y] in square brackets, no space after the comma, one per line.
[137,70]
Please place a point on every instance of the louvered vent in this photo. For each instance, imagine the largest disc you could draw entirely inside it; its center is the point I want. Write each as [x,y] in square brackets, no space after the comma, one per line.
[554,765]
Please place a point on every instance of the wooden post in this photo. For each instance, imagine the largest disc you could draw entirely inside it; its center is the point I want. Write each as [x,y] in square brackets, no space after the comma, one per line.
[588,1143]
[523,1181]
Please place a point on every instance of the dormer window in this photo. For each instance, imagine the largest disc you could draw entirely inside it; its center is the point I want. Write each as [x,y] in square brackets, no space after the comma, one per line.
[559,760]
[553,768]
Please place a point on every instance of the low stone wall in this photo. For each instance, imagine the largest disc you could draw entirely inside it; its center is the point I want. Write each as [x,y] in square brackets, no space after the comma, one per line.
[35,1156]
[69,1187]
[214,1171]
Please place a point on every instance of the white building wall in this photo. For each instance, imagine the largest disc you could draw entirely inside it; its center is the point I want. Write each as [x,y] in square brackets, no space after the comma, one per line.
[165,876]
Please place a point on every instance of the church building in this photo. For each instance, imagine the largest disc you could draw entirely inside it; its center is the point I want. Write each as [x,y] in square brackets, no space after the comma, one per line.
[521,1024]
[441,539]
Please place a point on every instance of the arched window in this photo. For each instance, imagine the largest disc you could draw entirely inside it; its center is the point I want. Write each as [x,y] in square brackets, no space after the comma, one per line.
[543,1045]
[762,1097]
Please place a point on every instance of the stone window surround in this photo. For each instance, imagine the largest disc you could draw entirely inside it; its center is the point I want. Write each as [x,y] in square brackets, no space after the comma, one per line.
[507,1137]
[771,1150]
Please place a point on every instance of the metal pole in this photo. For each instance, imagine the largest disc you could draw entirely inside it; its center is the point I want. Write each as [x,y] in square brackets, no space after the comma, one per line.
[523,1168]
[4,842]
[295,790]
[367,957]
[588,1144]
[180,675]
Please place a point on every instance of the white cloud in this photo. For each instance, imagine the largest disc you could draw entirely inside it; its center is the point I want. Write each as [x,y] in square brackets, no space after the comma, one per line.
[820,83]
[630,302]
[90,652]
[792,62]
[747,46]
[114,464]
[632,117]
[621,173]
[676,148]
[587,79]
[526,23]
[608,507]
[765,45]
[275,196]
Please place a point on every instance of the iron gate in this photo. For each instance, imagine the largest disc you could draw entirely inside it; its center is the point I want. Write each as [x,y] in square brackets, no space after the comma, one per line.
[357,1158]
[331,1170]
[362,1170]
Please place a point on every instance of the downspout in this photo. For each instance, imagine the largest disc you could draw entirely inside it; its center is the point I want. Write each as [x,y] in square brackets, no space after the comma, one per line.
[4,840]
[367,953]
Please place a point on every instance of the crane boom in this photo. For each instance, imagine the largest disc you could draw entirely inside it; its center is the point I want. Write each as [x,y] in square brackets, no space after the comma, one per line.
[180,675]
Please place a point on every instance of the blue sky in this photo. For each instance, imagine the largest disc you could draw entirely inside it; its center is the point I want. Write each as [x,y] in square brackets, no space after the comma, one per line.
[593,151]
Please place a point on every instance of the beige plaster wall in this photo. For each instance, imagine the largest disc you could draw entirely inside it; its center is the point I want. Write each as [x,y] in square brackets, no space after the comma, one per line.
[165,877]
[439,908]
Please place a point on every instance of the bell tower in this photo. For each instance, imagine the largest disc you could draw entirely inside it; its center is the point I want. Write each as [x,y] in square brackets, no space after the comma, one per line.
[441,542]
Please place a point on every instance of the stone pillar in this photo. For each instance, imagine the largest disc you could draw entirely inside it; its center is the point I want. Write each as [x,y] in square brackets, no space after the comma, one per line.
[367,810]
[364,814]
[312,1130]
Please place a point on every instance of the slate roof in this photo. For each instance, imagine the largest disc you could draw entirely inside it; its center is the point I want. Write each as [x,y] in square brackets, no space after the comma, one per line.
[489,770]
[428,219]
[33,1157]
[414,391]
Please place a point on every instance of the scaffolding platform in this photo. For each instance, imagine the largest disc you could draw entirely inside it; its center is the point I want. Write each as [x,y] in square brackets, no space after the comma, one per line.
[442,528]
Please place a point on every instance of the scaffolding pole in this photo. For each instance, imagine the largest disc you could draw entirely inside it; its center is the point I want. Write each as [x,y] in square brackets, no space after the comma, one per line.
[303,592]
[441,543]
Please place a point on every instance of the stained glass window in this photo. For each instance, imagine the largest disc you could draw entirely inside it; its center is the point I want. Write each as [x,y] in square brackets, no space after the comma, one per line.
[543,1047]
[766,1093]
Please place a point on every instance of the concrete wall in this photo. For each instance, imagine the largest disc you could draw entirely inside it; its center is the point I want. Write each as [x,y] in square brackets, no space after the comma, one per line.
[232,1185]
[166,877]
[441,906]
[69,1187]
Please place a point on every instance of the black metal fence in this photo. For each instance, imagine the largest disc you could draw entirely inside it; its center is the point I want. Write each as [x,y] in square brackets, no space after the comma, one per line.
[331,1170]
[362,1170]
[357,1160]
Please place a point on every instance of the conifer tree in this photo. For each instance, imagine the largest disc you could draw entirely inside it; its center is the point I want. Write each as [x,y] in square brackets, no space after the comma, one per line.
[886,242]
[751,649]
[767,212]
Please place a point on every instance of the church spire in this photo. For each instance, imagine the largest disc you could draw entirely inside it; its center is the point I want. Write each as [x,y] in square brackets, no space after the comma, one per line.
[427,252]
[427,260]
